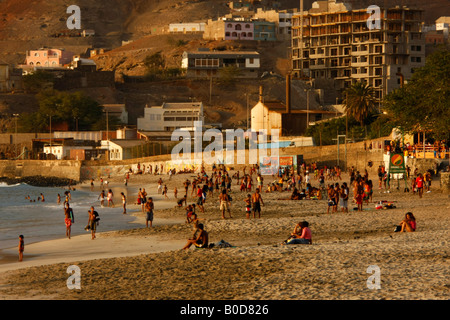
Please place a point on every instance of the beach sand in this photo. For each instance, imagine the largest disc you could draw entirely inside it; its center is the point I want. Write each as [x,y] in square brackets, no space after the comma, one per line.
[143,263]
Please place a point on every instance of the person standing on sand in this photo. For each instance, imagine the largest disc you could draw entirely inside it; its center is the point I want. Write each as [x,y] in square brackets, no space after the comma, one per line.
[149,207]
[92,222]
[21,247]
[224,203]
[257,201]
[124,203]
[419,185]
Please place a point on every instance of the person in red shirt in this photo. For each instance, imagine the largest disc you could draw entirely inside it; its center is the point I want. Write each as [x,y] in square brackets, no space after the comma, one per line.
[409,223]
[419,184]
[301,234]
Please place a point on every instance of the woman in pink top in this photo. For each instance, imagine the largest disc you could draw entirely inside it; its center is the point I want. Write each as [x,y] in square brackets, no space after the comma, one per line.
[302,236]
[409,223]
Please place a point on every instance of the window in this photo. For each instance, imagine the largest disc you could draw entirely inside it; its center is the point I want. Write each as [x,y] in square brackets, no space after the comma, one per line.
[238,27]
[36,54]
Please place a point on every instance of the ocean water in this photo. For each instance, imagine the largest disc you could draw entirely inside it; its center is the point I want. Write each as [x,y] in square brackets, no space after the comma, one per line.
[39,221]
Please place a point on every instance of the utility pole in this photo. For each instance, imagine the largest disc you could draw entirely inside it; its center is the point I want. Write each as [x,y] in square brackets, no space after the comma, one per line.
[337,139]
[210,89]
[16,115]
[247,109]
[50,133]
[307,108]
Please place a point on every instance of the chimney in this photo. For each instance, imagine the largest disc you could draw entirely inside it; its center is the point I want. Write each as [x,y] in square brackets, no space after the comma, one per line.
[260,94]
[288,93]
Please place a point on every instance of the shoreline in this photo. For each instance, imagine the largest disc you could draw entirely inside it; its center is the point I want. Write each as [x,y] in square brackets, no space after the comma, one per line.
[149,264]
[9,256]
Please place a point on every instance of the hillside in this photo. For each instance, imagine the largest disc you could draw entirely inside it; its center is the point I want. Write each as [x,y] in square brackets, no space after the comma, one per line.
[29,24]
[26,25]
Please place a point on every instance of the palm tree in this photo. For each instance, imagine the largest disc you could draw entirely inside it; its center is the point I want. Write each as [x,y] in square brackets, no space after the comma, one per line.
[360,101]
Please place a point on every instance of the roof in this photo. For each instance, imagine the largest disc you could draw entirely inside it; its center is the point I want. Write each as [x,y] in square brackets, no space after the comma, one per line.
[119,108]
[280,107]
[179,105]
[222,54]
[126,143]
[443,20]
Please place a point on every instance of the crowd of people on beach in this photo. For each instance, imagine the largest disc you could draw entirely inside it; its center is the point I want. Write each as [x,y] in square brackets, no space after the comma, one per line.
[309,182]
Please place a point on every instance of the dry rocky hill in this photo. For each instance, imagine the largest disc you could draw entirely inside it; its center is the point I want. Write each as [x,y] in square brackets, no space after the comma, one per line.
[31,24]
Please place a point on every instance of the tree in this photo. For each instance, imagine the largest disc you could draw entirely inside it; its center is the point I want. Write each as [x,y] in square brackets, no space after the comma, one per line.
[228,74]
[423,104]
[37,81]
[360,101]
[154,62]
[62,107]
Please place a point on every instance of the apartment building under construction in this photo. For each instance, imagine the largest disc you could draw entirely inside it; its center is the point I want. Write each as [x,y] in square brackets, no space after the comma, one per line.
[334,43]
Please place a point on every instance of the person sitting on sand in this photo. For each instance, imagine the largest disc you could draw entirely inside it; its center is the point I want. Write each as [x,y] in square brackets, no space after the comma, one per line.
[300,235]
[180,202]
[409,223]
[295,195]
[200,241]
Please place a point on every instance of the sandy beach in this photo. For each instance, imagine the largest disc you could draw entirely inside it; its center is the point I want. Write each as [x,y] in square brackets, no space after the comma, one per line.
[141,263]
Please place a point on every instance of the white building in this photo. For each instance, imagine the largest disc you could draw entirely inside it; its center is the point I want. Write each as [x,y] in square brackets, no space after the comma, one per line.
[171,116]
[443,23]
[282,19]
[187,27]
[120,149]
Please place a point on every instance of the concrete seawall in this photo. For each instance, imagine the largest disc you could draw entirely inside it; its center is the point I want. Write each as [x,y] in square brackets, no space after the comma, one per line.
[69,169]
[357,155]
